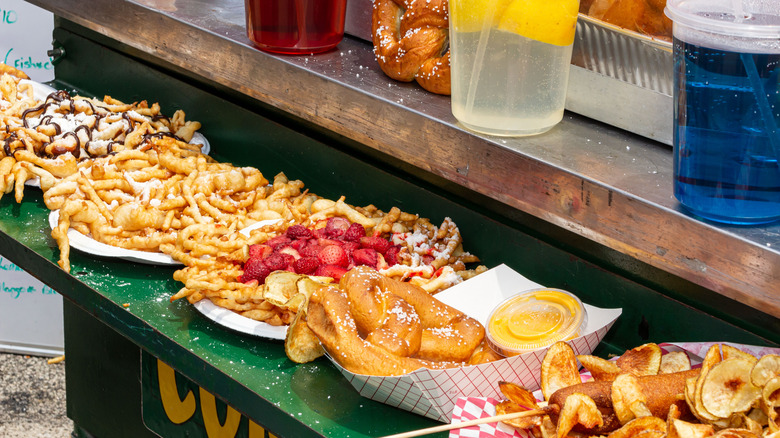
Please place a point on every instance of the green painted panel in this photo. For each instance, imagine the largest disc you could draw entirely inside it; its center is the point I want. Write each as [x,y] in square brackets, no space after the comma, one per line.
[253,375]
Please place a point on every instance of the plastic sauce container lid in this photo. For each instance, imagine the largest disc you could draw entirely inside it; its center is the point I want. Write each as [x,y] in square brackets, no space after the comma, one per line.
[535,319]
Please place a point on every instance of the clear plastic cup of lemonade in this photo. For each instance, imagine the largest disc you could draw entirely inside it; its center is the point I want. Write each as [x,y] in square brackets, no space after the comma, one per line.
[510,63]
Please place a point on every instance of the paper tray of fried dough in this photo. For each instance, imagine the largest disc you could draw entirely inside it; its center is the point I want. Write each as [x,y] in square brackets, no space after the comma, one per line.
[433,393]
[622,78]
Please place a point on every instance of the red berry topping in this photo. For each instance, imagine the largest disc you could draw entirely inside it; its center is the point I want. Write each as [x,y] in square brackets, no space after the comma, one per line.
[299,243]
[326,242]
[350,247]
[254,269]
[365,256]
[378,244]
[319,233]
[391,256]
[333,255]
[332,271]
[306,265]
[278,261]
[278,242]
[299,232]
[259,251]
[310,250]
[354,233]
[336,226]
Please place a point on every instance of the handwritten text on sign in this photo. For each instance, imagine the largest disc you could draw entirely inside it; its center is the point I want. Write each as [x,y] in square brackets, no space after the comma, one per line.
[25,37]
[16,284]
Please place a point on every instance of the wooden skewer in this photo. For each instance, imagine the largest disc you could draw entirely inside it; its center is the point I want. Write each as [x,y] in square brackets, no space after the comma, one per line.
[463,424]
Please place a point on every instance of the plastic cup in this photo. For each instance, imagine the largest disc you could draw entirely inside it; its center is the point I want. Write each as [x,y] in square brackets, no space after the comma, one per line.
[727,111]
[510,63]
[535,319]
[295,26]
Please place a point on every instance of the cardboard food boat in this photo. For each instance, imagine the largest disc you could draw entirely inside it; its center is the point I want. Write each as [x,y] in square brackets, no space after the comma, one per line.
[434,393]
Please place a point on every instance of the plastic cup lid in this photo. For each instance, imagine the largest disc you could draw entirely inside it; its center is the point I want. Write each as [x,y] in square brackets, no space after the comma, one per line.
[535,319]
[755,19]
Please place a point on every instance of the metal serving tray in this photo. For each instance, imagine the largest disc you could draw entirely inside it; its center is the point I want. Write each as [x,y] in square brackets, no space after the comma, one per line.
[618,77]
[622,78]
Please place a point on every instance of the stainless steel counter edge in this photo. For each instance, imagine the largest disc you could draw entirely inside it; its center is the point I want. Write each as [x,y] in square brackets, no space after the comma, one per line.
[594,180]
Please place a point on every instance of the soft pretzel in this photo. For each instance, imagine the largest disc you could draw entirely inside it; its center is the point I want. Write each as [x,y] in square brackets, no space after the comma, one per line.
[411,41]
[376,325]
[644,16]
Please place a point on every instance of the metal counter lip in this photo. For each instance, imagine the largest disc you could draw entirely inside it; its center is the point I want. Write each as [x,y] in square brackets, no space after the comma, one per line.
[601,183]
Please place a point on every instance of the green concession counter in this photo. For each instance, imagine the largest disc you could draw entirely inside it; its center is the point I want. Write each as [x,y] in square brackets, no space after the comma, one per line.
[586,208]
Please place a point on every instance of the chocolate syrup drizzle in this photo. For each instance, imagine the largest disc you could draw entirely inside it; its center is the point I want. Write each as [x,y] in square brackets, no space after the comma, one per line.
[64,104]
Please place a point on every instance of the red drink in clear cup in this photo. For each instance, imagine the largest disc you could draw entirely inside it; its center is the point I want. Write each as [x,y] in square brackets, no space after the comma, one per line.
[295,26]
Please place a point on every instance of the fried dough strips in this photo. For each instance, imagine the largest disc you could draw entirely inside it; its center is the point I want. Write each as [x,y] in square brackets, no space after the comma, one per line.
[48,138]
[164,198]
[410,42]
[379,326]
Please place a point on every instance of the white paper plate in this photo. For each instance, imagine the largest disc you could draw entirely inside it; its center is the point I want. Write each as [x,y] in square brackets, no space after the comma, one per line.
[198,138]
[40,91]
[232,320]
[93,247]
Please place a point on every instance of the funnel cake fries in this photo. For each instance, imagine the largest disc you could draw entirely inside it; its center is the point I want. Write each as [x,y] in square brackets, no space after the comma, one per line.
[126,176]
[312,237]
[57,133]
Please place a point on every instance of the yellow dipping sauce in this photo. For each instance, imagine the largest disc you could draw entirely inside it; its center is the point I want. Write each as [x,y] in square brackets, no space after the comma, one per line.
[535,319]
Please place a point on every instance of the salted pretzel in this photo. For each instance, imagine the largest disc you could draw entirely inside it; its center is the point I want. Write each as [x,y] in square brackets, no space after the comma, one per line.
[376,325]
[411,42]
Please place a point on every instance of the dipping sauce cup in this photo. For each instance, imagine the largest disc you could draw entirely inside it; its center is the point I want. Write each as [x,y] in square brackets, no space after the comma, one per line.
[295,26]
[727,108]
[535,319]
[510,63]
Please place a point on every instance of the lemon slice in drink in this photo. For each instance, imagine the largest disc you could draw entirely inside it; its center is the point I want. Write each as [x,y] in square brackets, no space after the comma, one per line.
[470,15]
[548,21]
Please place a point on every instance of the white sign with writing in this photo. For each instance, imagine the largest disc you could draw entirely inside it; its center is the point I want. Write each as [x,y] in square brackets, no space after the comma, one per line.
[30,314]
[25,37]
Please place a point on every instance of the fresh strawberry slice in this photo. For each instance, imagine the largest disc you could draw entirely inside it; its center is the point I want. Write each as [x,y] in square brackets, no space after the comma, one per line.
[254,269]
[378,244]
[311,249]
[365,256]
[319,233]
[332,271]
[354,233]
[391,255]
[278,242]
[299,243]
[299,232]
[336,226]
[350,247]
[278,261]
[333,255]
[306,265]
[325,242]
[259,251]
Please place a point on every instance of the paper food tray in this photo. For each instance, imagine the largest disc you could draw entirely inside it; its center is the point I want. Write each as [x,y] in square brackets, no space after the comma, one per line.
[433,393]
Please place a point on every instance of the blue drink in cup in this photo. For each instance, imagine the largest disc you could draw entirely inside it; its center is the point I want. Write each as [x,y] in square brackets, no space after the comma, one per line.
[727,112]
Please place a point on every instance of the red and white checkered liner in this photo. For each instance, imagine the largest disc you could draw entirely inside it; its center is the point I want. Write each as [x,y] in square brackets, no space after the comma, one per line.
[434,393]
[467,409]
